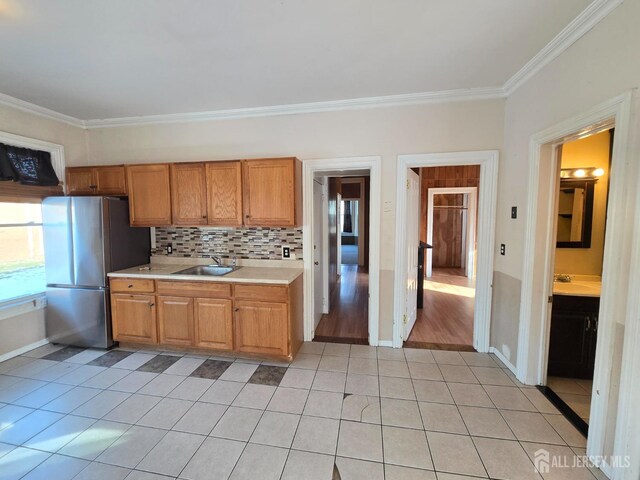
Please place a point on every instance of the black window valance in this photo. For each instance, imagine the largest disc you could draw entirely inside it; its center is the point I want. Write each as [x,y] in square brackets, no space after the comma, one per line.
[26,166]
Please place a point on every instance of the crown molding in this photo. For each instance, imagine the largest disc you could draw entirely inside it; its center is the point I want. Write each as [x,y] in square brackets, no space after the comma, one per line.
[579,26]
[29,107]
[483,93]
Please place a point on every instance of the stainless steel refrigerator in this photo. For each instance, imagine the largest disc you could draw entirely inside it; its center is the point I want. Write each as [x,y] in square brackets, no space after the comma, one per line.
[84,239]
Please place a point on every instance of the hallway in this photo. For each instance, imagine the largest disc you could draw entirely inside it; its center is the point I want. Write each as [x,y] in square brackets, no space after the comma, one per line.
[447,316]
[348,317]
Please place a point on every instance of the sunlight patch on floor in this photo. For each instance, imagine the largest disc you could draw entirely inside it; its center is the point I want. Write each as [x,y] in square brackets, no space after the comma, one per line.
[468,292]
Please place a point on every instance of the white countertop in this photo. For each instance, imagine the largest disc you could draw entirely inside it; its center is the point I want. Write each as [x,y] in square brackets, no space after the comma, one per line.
[246,274]
[580,286]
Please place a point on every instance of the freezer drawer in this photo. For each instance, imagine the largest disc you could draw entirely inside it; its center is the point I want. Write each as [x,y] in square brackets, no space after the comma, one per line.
[78,316]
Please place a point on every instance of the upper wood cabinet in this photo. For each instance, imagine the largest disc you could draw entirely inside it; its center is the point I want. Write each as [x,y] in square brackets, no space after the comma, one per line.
[149,195]
[105,180]
[224,193]
[272,192]
[188,194]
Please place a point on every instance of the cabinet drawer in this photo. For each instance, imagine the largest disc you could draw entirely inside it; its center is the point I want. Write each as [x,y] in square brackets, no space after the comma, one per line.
[273,293]
[194,289]
[132,285]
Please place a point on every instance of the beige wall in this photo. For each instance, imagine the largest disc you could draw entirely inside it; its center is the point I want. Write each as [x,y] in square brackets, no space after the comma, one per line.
[387,132]
[21,330]
[588,152]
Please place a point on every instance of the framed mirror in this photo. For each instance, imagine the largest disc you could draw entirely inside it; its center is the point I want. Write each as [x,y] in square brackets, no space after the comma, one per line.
[575,213]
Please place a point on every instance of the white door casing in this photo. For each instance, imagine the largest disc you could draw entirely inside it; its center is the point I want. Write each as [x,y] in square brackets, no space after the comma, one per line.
[413,240]
[318,231]
[488,190]
[336,167]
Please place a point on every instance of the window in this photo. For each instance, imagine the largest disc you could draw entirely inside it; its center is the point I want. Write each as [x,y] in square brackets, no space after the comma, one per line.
[349,218]
[21,250]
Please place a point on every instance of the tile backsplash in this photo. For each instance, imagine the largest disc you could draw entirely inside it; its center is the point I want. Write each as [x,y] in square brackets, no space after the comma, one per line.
[244,243]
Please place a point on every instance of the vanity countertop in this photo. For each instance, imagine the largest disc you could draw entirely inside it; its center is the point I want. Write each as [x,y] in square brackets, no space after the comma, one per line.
[580,286]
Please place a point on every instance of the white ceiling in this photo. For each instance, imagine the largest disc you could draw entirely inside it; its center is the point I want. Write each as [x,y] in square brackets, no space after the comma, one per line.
[94,59]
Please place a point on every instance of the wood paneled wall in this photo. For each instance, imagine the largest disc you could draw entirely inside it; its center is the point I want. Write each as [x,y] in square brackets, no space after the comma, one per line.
[439,177]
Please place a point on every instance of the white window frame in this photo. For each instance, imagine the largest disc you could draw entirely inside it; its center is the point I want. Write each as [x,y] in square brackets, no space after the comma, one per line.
[20,305]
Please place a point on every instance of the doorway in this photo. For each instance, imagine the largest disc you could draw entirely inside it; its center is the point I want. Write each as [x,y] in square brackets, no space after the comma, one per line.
[445,314]
[345,317]
[580,213]
[611,414]
[457,194]
[314,273]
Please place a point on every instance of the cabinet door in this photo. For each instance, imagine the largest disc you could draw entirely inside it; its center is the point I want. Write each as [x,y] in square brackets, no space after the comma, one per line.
[134,318]
[261,327]
[224,193]
[213,323]
[569,344]
[110,180]
[175,320]
[81,181]
[270,192]
[149,195]
[188,194]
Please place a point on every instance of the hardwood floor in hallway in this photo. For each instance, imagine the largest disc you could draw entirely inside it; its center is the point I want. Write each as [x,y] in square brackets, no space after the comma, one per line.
[348,318]
[447,316]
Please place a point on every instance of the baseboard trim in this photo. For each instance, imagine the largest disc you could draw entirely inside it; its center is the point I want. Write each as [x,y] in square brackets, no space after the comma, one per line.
[351,341]
[452,347]
[25,349]
[503,359]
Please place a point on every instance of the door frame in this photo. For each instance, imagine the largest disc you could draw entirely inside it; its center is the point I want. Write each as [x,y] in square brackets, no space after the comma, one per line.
[488,191]
[620,275]
[344,165]
[470,234]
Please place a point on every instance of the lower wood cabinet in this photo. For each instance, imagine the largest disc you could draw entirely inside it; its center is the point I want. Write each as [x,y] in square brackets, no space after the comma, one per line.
[134,318]
[249,318]
[175,320]
[213,323]
[261,327]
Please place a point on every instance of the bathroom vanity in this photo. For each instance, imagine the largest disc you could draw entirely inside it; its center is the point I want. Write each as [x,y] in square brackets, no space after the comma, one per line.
[574,329]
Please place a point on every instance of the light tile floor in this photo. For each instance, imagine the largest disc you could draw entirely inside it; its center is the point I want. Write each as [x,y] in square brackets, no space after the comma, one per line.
[337,412]
[575,392]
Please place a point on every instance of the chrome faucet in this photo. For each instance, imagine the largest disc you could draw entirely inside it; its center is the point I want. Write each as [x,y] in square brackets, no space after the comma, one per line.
[217,259]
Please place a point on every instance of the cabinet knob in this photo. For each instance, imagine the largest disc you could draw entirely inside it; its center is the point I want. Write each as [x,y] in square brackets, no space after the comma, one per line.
[204,216]
[151,304]
[247,216]
[236,309]
[129,286]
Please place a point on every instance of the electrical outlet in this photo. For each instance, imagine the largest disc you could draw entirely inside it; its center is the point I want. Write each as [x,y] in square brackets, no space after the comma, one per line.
[169,249]
[503,249]
[514,212]
[286,252]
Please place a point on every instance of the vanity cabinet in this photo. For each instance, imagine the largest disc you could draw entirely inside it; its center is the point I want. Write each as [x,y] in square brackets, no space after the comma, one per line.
[573,336]
[149,195]
[249,318]
[105,180]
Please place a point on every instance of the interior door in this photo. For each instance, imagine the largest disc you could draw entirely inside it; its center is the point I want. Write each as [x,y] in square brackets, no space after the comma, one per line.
[339,235]
[413,240]
[318,232]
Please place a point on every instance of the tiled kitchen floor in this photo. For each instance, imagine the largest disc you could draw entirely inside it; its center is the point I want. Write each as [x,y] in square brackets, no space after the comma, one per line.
[337,412]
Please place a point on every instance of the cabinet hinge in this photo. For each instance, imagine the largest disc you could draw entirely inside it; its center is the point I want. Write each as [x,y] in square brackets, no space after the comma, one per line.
[550,299]
[407,184]
[404,319]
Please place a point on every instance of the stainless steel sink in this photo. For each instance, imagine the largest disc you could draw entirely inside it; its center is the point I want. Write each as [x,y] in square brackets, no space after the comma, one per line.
[208,270]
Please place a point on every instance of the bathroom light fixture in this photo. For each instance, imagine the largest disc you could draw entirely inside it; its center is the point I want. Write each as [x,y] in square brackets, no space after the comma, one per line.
[584,173]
